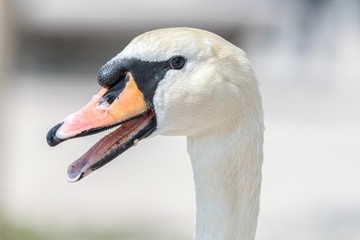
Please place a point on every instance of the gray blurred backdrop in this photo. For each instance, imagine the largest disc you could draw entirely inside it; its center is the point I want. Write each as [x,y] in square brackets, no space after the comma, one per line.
[307,57]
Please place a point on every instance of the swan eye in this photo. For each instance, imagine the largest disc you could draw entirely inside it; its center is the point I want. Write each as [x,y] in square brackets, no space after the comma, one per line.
[177,62]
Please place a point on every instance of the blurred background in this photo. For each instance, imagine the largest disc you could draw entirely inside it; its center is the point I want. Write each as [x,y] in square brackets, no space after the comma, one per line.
[307,57]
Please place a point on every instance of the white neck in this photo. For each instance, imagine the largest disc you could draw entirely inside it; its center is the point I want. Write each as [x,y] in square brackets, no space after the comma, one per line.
[227,175]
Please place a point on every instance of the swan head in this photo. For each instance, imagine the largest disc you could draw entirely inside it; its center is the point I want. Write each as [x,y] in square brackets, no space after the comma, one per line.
[176,81]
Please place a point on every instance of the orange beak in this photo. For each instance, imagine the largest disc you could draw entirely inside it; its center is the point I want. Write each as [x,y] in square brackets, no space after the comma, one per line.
[121,104]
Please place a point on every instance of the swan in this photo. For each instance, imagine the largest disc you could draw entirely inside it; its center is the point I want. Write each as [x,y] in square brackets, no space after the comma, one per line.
[188,82]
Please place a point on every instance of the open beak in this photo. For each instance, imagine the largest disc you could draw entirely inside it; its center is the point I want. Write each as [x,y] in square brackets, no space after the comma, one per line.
[122,105]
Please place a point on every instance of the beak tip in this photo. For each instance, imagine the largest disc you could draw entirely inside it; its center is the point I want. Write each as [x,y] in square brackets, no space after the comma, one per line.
[74,174]
[51,138]
[72,180]
[74,177]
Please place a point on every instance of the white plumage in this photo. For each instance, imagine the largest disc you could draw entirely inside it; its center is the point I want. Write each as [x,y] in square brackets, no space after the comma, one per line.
[211,97]
[214,101]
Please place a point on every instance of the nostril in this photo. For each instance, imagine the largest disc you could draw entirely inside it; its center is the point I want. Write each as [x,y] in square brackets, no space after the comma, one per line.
[107,99]
[113,92]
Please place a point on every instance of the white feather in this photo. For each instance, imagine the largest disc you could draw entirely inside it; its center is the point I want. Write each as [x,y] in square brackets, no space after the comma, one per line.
[214,101]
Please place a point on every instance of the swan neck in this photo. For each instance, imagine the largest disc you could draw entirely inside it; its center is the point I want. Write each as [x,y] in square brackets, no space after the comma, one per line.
[227,176]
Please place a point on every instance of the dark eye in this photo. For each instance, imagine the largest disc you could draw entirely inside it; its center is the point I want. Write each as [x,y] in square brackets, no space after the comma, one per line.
[177,62]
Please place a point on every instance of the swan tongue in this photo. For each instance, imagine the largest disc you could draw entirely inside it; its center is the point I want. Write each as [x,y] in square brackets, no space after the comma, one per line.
[112,145]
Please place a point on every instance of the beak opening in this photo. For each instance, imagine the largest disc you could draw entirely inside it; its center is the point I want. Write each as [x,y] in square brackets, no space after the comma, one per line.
[112,145]
[121,104]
